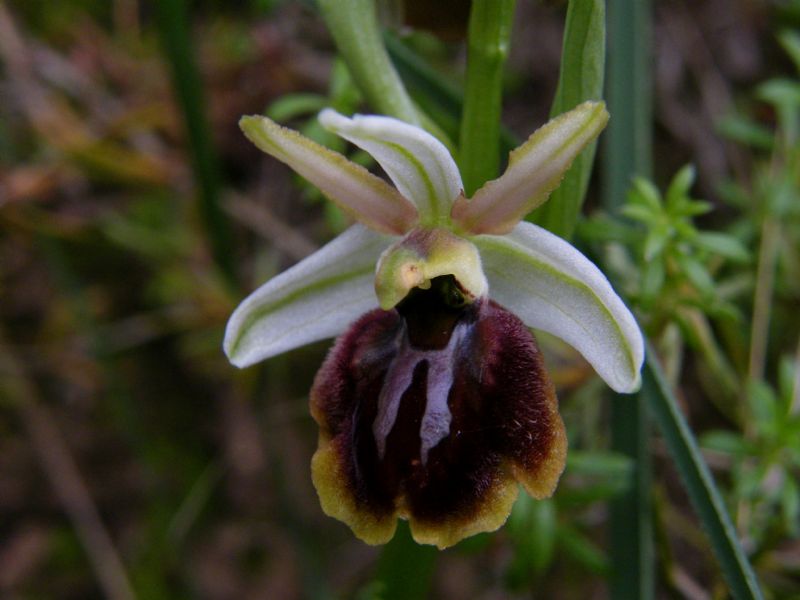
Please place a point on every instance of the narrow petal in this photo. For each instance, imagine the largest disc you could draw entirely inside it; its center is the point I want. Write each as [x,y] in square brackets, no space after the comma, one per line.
[534,170]
[367,198]
[316,299]
[418,164]
[553,287]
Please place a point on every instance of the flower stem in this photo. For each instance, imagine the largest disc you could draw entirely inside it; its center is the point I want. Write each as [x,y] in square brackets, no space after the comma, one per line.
[489,35]
[355,29]
[582,74]
[404,569]
[354,26]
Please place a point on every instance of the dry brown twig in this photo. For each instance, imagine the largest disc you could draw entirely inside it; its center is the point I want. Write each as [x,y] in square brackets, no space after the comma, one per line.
[60,469]
[264,222]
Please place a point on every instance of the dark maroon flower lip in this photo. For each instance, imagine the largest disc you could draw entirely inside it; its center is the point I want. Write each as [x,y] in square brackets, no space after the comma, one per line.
[433,408]
[436,433]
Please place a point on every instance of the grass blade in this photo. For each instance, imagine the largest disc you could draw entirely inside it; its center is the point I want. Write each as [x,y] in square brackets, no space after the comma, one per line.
[629,130]
[628,138]
[699,483]
[173,20]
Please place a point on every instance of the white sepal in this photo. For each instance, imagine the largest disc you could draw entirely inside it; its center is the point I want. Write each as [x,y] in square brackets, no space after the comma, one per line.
[553,287]
[316,299]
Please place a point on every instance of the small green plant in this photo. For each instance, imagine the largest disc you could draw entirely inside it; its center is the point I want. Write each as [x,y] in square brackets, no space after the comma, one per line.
[677,275]
[764,459]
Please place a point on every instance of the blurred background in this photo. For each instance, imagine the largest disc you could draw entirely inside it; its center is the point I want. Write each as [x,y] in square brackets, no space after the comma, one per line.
[134,216]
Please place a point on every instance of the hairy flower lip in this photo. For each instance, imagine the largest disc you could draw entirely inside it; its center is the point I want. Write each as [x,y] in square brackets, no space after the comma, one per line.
[456,474]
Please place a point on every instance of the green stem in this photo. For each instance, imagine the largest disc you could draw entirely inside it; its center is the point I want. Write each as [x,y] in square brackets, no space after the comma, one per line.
[489,34]
[628,153]
[699,483]
[583,58]
[631,534]
[405,569]
[354,27]
[765,283]
[173,19]
[629,135]
[440,97]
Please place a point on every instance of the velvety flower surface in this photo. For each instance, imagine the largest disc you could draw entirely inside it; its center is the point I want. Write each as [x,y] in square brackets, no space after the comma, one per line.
[434,404]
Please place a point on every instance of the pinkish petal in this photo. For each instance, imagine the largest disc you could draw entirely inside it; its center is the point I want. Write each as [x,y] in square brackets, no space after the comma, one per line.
[534,170]
[367,198]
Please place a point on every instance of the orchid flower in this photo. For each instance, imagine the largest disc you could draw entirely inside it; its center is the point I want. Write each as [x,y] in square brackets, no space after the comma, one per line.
[434,402]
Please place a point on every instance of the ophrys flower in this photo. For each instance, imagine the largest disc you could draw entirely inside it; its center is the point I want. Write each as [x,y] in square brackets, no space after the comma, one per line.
[435,402]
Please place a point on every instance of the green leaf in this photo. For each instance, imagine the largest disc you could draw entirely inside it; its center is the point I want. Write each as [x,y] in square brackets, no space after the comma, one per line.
[764,407]
[645,192]
[784,95]
[613,465]
[581,78]
[698,275]
[639,212]
[581,549]
[787,380]
[656,240]
[724,441]
[747,132]
[292,106]
[628,153]
[533,527]
[790,40]
[780,92]
[679,187]
[653,277]
[605,228]
[692,208]
[790,503]
[699,483]
[611,474]
[722,244]
[734,194]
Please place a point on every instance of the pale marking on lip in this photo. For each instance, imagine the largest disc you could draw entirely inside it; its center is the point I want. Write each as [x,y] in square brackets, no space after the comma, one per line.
[435,425]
